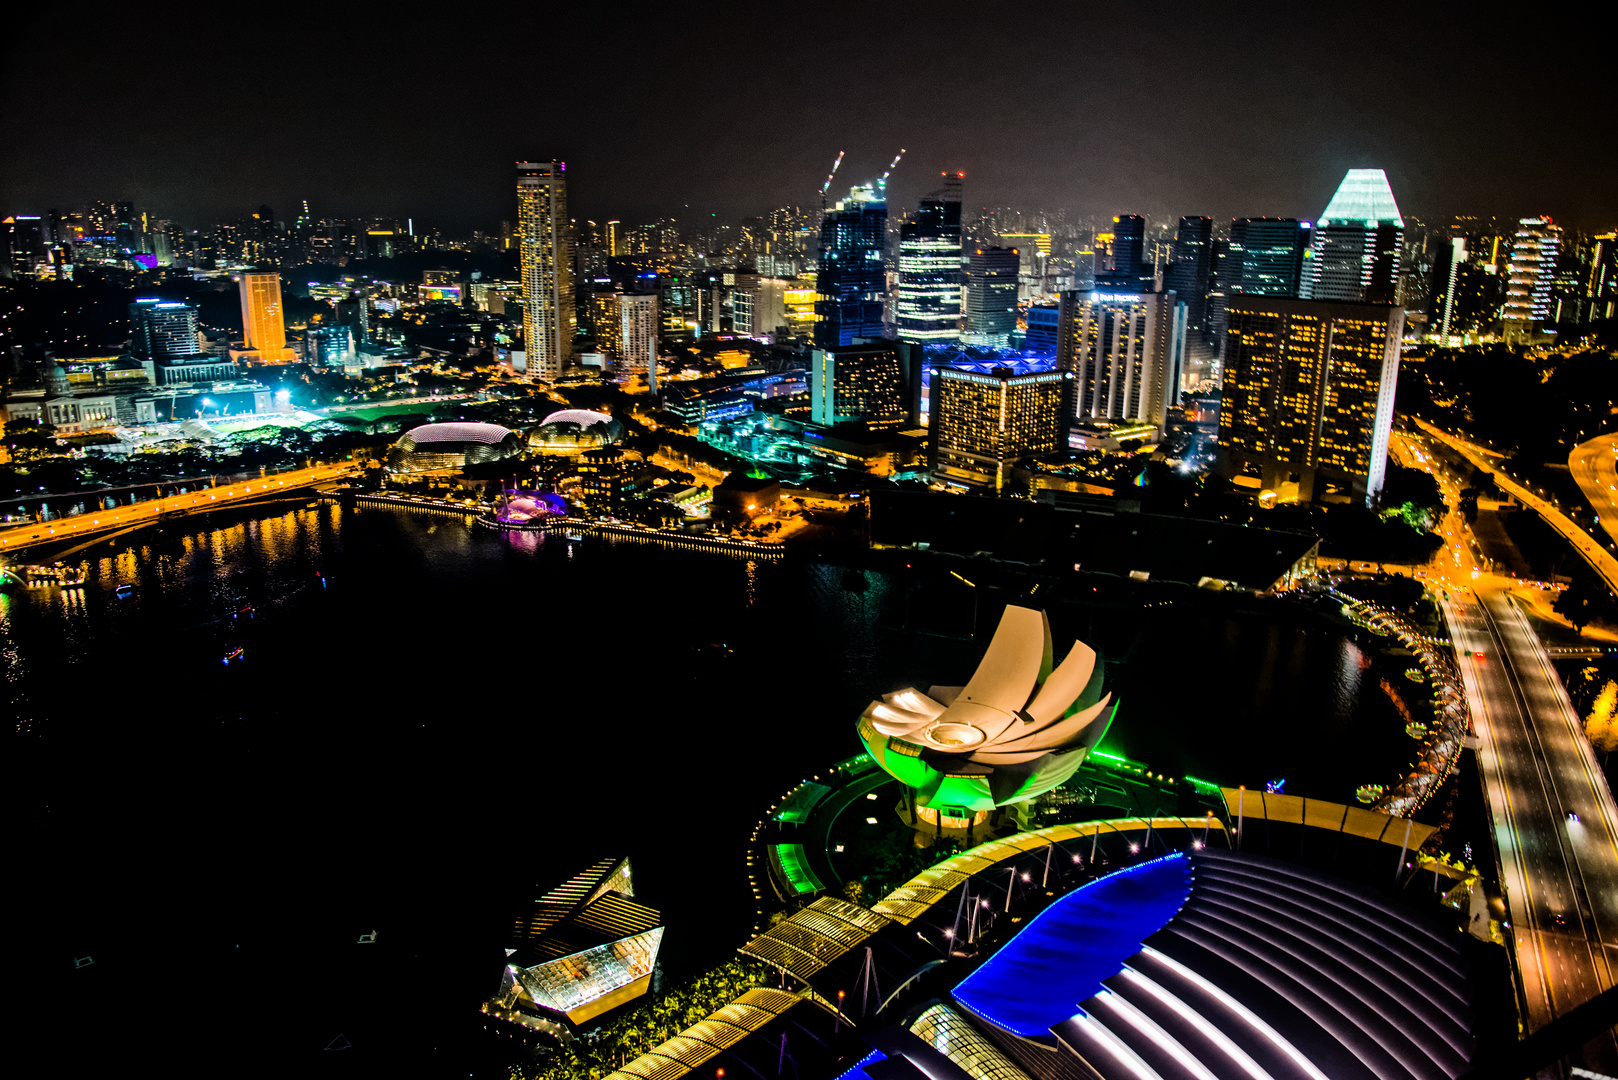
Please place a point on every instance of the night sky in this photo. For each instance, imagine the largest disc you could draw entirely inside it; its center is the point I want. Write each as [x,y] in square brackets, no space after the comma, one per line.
[202,112]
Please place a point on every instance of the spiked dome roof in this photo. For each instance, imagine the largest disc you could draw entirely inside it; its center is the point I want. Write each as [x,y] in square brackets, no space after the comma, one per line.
[1363,198]
[1021,726]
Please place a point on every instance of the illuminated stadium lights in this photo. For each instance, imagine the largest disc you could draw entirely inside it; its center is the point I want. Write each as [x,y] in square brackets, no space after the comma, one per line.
[1017,729]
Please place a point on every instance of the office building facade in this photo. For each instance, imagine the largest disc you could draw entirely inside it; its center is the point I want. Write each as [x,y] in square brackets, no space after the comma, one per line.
[263,323]
[329,346]
[1529,274]
[861,383]
[1267,255]
[1190,264]
[928,307]
[546,258]
[1354,255]
[982,424]
[1308,392]
[1121,349]
[852,277]
[163,330]
[991,295]
[1126,269]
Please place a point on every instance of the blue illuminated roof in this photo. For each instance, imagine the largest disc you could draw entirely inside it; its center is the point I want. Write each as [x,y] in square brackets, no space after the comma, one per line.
[1363,197]
[1058,960]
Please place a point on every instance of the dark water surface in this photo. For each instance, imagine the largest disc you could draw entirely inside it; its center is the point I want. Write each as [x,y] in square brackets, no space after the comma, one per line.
[456,717]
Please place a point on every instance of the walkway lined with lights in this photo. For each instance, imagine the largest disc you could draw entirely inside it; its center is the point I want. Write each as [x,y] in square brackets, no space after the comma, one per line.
[32,534]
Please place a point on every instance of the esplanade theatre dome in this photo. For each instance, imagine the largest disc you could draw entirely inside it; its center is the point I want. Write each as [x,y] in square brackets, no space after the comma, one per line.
[573,431]
[432,447]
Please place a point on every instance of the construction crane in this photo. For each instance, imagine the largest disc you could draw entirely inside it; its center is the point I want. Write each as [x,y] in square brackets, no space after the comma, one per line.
[891,166]
[827,185]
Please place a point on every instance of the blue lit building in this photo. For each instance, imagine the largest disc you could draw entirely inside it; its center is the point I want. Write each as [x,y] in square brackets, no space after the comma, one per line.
[1042,320]
[852,278]
[928,307]
[980,359]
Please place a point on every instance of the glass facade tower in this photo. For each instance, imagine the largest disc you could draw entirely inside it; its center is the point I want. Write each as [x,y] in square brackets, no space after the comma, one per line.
[852,277]
[1189,267]
[546,257]
[1267,255]
[929,302]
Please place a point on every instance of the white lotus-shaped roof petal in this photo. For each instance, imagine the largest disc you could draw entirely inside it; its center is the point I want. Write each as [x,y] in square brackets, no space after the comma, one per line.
[1015,708]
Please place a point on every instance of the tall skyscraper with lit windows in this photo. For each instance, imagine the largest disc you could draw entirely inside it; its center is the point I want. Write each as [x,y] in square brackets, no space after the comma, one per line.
[991,295]
[1267,255]
[929,300]
[1308,392]
[852,278]
[1530,273]
[983,424]
[1353,256]
[546,258]
[264,328]
[1124,349]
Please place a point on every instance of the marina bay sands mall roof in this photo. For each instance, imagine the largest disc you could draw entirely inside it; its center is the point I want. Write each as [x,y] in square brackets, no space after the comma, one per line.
[1223,966]
[1203,963]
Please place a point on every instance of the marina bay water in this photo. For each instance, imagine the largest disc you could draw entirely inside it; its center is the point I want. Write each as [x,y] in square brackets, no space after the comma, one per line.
[427,722]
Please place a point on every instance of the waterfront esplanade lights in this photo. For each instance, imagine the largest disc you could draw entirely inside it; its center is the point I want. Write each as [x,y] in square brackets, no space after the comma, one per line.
[1019,728]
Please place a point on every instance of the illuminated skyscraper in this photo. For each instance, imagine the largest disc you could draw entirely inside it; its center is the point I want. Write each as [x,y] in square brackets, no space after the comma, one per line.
[983,424]
[853,275]
[329,346]
[1529,274]
[991,295]
[861,383]
[1444,317]
[1267,255]
[1189,267]
[161,330]
[263,325]
[1354,256]
[1123,349]
[1308,392]
[929,302]
[1127,269]
[545,253]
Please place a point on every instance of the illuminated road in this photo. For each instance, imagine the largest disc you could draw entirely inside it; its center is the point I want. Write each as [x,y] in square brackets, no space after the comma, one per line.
[1560,875]
[18,537]
[1594,465]
[1537,768]
[1598,557]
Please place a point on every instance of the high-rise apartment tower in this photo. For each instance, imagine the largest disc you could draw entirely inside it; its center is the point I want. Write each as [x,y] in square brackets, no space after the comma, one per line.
[545,255]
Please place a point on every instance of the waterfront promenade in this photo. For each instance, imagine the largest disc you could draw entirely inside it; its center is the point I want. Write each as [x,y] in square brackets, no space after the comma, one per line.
[34,534]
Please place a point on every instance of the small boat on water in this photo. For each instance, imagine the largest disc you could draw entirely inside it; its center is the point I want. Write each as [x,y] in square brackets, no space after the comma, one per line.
[124,592]
[235,654]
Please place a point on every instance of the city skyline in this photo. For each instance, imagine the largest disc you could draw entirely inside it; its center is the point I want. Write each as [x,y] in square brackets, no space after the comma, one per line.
[1422,103]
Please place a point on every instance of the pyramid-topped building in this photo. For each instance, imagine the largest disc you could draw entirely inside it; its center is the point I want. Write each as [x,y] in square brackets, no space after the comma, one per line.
[1354,256]
[1363,198]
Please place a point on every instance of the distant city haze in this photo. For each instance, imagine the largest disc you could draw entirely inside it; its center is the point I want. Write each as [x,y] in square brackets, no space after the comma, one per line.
[732,109]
